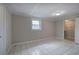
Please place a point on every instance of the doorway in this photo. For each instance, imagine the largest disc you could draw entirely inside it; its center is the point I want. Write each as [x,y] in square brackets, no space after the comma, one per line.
[69,29]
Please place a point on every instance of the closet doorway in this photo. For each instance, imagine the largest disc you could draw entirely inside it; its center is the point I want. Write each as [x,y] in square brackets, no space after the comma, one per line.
[69,29]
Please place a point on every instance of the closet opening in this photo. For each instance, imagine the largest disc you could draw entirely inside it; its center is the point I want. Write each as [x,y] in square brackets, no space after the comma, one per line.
[69,29]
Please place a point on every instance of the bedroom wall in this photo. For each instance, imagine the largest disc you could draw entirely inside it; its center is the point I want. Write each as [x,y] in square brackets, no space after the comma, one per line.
[60,29]
[77,30]
[22,29]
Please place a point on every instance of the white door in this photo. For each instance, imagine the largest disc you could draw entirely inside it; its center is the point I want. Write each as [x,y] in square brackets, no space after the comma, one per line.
[1,31]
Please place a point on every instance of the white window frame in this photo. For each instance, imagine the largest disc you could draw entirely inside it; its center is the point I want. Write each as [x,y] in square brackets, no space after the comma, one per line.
[39,25]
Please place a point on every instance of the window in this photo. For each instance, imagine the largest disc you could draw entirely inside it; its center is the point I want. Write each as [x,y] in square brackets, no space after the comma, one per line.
[36,24]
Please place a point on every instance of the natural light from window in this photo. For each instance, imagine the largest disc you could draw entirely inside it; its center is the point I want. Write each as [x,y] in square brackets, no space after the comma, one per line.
[36,24]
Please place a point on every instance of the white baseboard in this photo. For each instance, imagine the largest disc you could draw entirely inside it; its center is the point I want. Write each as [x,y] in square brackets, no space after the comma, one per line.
[20,43]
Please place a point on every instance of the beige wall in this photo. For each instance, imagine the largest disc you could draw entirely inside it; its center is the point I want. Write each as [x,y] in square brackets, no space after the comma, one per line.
[77,30]
[22,31]
[60,29]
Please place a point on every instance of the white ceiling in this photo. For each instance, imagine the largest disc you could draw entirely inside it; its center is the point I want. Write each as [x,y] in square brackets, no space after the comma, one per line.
[45,10]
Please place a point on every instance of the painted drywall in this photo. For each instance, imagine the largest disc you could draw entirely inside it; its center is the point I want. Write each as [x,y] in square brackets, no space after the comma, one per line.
[6,34]
[77,30]
[2,44]
[60,29]
[22,29]
[69,29]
